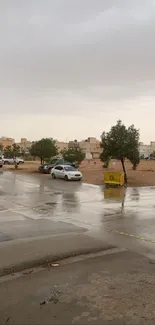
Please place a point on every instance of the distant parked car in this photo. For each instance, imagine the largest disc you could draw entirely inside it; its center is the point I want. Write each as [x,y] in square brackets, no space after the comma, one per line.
[46,168]
[66,172]
[11,161]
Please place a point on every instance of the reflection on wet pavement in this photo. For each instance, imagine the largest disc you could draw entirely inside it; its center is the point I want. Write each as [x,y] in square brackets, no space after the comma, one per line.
[32,205]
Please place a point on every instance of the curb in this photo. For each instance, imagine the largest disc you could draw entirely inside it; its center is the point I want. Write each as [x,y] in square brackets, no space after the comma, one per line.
[42,262]
[16,256]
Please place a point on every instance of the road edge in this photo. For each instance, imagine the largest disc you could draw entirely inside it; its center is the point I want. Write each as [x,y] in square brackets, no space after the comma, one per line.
[16,256]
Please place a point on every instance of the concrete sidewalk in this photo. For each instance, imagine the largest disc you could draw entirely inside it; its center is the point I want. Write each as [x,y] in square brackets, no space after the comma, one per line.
[19,254]
[111,289]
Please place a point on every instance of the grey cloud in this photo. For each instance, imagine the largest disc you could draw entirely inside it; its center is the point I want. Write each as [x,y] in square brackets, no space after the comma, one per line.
[102,50]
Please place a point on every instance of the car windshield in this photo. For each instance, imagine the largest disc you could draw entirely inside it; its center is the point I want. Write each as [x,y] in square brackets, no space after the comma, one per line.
[70,169]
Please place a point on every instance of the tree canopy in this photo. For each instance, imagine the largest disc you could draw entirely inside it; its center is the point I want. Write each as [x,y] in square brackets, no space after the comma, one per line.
[12,151]
[152,155]
[44,148]
[121,143]
[74,154]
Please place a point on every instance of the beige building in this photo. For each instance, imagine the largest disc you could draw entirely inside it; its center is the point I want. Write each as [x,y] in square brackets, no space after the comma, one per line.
[5,142]
[144,150]
[152,146]
[91,146]
[73,144]
[61,145]
[24,145]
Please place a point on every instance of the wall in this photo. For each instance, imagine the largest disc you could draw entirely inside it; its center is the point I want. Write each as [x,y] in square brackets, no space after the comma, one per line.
[91,145]
[5,142]
[61,145]
[152,146]
[25,145]
[144,150]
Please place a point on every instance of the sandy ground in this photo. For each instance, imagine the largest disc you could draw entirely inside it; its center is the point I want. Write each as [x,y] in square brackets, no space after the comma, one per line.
[93,171]
[143,176]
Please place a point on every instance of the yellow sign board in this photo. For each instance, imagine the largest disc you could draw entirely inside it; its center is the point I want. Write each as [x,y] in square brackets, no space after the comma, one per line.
[114,178]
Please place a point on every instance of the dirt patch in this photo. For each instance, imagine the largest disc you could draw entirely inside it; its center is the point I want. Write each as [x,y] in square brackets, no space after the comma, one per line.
[27,167]
[144,175]
[93,171]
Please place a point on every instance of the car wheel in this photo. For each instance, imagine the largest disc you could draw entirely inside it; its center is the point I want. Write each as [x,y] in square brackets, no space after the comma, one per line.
[53,176]
[6,163]
[66,178]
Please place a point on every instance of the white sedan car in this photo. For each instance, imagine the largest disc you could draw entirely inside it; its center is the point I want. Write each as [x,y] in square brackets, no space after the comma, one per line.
[66,172]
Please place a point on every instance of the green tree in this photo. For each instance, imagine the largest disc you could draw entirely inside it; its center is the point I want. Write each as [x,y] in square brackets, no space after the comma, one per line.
[23,153]
[1,148]
[121,143]
[16,150]
[135,159]
[8,152]
[74,154]
[152,155]
[12,151]
[44,148]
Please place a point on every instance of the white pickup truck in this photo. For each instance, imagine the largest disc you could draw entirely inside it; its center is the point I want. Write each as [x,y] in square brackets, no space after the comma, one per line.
[11,161]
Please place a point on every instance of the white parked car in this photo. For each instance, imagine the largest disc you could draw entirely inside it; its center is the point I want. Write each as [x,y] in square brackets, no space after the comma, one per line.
[66,172]
[11,161]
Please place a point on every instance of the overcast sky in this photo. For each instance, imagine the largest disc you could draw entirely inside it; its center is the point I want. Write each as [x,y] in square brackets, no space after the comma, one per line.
[71,68]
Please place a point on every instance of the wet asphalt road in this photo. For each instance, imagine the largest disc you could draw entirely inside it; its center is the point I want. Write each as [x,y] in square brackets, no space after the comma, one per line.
[36,205]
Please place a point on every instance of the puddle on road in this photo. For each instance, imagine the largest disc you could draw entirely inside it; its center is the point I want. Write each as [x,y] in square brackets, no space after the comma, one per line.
[2,208]
[114,193]
[2,193]
[56,193]
[51,203]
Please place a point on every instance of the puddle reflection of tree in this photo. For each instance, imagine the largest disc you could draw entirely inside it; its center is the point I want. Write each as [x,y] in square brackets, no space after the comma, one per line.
[118,217]
[13,184]
[41,189]
[70,202]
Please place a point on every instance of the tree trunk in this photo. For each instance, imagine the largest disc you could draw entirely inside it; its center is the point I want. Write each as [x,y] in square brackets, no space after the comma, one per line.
[15,163]
[125,175]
